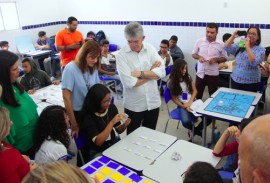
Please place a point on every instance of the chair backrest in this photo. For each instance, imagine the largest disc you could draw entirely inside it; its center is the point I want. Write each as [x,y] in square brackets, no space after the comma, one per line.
[168,70]
[167,95]
[112,47]
[81,141]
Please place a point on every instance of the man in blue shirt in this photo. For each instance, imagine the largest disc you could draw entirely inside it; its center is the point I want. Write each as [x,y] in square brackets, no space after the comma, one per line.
[175,51]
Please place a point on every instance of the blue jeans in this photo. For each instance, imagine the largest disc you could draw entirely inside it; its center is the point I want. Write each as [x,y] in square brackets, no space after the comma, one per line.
[54,63]
[187,119]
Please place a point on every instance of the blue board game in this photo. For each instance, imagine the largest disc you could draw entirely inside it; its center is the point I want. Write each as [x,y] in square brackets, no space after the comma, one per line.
[109,171]
[231,104]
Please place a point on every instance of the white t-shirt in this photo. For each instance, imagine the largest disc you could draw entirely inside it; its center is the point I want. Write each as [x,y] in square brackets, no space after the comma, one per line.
[105,60]
[50,151]
[185,90]
[166,78]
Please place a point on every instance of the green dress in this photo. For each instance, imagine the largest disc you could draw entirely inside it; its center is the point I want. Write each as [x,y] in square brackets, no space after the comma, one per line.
[24,120]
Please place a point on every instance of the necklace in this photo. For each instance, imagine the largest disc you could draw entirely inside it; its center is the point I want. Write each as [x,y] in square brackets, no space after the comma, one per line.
[86,80]
[101,115]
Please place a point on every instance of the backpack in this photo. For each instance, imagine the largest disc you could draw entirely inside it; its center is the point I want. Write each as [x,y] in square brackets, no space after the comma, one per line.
[100,35]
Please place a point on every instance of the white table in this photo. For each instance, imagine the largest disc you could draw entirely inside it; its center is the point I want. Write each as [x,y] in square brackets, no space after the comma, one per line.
[165,170]
[225,117]
[140,148]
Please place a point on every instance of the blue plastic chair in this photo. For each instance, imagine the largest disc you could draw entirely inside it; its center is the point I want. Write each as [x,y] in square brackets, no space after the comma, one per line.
[225,174]
[106,80]
[81,142]
[167,71]
[112,47]
[173,114]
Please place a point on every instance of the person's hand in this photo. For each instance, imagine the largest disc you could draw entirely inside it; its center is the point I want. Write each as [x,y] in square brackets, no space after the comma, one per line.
[233,131]
[201,59]
[118,117]
[155,65]
[235,35]
[74,46]
[31,91]
[127,122]
[56,82]
[188,109]
[26,157]
[247,42]
[213,60]
[74,130]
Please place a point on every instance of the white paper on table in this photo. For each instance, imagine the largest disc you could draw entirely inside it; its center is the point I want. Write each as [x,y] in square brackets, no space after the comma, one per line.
[195,105]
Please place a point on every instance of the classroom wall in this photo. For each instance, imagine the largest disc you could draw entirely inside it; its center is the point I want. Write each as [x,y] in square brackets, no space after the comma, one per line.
[172,17]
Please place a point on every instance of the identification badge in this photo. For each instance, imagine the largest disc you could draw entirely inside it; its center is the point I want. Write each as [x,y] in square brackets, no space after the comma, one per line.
[184,96]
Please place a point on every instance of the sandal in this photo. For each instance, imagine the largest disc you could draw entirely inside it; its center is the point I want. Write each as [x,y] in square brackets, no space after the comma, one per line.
[189,136]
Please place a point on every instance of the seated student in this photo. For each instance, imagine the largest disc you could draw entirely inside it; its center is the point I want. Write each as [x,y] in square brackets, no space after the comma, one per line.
[100,120]
[222,149]
[34,79]
[52,139]
[265,70]
[14,166]
[183,92]
[164,53]
[202,172]
[4,45]
[175,51]
[90,36]
[58,172]
[105,68]
[43,43]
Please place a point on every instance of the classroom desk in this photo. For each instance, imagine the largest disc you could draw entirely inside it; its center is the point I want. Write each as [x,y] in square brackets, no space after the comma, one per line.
[226,117]
[49,95]
[109,171]
[140,148]
[165,169]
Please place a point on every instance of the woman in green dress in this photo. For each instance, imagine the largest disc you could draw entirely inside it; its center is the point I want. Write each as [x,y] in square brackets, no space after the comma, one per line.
[23,110]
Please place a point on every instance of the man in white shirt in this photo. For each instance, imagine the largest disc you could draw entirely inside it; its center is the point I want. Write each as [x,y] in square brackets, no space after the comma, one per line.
[139,66]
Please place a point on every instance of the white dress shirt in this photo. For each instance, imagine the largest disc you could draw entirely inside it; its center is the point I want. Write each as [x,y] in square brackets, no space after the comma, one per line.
[146,96]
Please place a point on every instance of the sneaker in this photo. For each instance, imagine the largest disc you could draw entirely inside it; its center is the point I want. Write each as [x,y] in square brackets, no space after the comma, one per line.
[53,79]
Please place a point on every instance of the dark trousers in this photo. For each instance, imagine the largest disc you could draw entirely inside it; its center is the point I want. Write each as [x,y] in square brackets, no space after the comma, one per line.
[54,64]
[210,81]
[145,118]
[254,87]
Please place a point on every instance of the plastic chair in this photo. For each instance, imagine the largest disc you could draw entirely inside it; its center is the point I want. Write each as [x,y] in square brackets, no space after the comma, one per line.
[168,71]
[106,82]
[112,47]
[173,114]
[225,174]
[81,142]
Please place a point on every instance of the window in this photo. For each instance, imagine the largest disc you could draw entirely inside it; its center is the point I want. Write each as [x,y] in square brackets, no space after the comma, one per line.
[9,16]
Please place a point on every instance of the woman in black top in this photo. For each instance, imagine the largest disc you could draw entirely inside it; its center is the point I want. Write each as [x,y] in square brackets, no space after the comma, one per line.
[101,119]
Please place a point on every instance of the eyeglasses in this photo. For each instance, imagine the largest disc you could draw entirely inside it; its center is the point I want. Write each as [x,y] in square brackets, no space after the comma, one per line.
[252,34]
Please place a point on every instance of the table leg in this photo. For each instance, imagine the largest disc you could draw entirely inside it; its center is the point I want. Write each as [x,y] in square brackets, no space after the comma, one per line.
[204,131]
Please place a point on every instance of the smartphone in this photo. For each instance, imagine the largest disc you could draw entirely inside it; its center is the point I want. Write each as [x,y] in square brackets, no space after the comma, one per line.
[241,33]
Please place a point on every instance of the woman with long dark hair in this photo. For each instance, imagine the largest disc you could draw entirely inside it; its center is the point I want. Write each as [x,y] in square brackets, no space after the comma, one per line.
[183,92]
[23,110]
[246,74]
[52,139]
[100,120]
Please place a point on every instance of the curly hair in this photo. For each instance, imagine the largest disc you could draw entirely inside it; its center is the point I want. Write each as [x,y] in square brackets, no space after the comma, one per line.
[52,126]
[177,75]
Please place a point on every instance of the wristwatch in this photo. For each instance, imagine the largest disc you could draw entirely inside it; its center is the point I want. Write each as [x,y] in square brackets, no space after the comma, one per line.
[142,75]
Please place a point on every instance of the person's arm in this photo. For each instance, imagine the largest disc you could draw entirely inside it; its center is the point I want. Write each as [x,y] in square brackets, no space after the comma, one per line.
[222,66]
[39,47]
[70,47]
[69,107]
[230,131]
[121,128]
[102,137]
[102,71]
[230,41]
[198,57]
[25,83]
[192,98]
[217,60]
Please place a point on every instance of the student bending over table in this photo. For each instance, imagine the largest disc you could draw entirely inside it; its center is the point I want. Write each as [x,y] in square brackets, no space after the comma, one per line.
[34,79]
[101,119]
